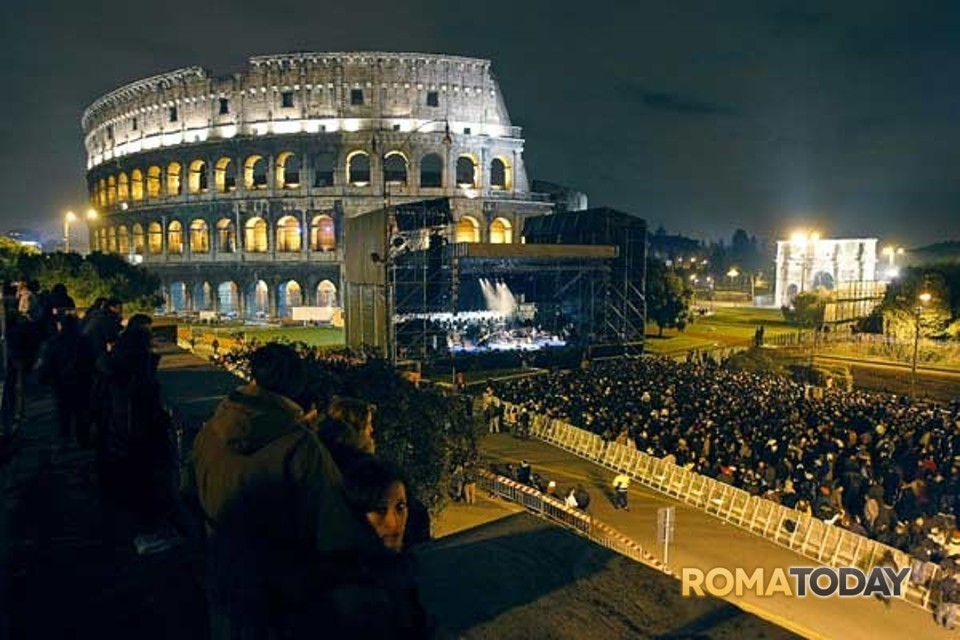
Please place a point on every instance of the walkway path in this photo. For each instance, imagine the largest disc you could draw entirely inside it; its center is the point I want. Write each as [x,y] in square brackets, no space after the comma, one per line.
[707,542]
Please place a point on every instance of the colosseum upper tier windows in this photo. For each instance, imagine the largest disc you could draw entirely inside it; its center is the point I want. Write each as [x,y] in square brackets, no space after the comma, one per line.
[255,173]
[123,187]
[153,182]
[225,176]
[155,238]
[173,179]
[255,236]
[199,237]
[288,171]
[138,239]
[500,178]
[136,185]
[123,240]
[358,168]
[395,168]
[468,230]
[197,178]
[466,172]
[288,235]
[226,236]
[501,231]
[111,190]
[175,237]
[322,237]
[431,171]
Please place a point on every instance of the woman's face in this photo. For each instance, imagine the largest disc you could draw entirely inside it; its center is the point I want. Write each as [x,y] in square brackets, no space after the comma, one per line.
[367,443]
[389,520]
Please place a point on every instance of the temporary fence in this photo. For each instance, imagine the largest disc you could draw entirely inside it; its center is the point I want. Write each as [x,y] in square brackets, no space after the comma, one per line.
[795,530]
[555,510]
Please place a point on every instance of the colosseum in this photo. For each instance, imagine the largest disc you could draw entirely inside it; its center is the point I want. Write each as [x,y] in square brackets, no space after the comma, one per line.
[234,189]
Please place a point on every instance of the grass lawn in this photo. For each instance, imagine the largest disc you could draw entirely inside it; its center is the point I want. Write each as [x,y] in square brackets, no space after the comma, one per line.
[725,326]
[314,336]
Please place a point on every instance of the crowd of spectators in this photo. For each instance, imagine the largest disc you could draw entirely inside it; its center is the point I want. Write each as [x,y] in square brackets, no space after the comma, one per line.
[878,464]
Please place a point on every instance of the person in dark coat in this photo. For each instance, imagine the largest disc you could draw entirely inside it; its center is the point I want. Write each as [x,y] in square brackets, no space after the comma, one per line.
[67,365]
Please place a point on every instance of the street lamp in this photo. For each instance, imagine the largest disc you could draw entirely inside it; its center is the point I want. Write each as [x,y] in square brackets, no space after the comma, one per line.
[69,218]
[922,299]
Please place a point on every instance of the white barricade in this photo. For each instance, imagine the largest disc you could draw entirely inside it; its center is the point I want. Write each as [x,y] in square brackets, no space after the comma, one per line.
[809,536]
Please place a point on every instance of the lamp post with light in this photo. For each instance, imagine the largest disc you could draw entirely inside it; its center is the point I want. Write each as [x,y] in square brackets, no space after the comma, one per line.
[922,299]
[68,219]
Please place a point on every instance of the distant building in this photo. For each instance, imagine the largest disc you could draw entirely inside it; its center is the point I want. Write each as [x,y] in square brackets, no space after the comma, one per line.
[26,237]
[846,269]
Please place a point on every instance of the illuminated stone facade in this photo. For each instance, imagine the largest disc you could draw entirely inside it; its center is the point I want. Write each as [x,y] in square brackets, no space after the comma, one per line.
[234,189]
[808,263]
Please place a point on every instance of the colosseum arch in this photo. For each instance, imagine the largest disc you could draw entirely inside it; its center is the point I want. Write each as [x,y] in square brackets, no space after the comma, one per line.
[358,168]
[324,166]
[395,168]
[155,238]
[501,177]
[112,239]
[259,296]
[255,236]
[467,171]
[123,187]
[326,294]
[178,297]
[199,236]
[173,179]
[288,171]
[228,298]
[102,192]
[136,185]
[255,172]
[289,295]
[226,236]
[197,178]
[322,235]
[431,171]
[468,230]
[202,296]
[138,239]
[102,240]
[111,190]
[224,176]
[123,240]
[501,231]
[153,181]
[174,237]
[288,235]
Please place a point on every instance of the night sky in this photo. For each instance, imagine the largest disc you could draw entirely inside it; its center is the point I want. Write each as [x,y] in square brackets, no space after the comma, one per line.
[701,116]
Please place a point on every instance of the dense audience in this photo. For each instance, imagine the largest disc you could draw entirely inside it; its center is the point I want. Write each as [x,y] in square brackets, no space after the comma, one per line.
[877,464]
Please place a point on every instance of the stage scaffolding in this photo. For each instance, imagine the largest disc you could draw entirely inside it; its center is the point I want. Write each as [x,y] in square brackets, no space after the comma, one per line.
[408,269]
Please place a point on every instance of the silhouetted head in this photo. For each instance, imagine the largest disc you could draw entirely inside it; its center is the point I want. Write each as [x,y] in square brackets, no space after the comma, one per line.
[278,367]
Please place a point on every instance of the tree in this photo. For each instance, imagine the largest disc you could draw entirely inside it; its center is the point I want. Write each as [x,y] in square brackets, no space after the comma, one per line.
[10,255]
[900,303]
[807,309]
[668,298]
[97,275]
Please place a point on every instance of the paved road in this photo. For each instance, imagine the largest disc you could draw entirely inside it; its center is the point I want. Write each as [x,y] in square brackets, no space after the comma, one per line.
[707,542]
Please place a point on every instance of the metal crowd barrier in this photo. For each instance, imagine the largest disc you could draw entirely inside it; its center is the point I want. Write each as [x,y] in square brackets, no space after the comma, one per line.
[553,509]
[809,536]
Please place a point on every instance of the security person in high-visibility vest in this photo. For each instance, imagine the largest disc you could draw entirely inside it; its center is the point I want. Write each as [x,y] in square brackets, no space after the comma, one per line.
[620,486]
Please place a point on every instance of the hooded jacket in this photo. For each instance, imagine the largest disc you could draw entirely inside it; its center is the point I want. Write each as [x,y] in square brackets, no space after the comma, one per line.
[272,496]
